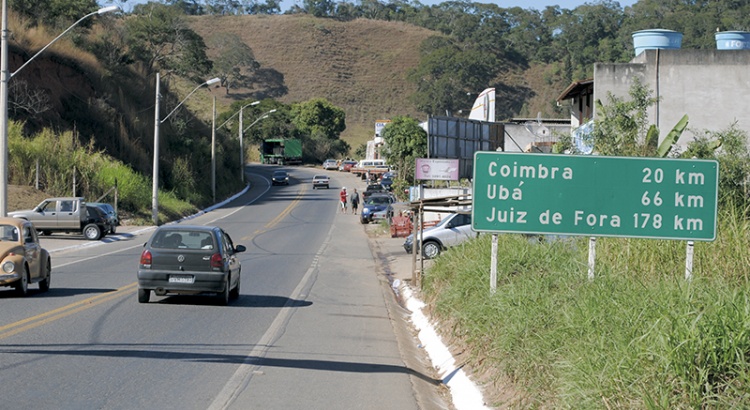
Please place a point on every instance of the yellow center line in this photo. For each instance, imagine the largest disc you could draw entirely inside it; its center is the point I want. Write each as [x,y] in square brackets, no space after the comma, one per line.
[65,311]
[275,221]
[61,312]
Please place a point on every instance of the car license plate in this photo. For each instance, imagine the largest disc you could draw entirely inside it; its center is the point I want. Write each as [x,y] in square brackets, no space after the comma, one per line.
[181,279]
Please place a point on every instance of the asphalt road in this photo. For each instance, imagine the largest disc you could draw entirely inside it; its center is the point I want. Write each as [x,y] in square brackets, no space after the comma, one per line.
[315,327]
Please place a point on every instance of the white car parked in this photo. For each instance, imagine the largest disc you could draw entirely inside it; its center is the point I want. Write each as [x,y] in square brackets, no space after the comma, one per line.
[330,164]
[451,231]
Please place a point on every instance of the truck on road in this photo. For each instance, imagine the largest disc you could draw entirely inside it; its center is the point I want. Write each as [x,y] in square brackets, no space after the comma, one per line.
[281,151]
[65,214]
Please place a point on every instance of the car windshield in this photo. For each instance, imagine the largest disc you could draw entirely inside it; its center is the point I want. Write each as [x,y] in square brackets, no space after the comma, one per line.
[279,174]
[320,177]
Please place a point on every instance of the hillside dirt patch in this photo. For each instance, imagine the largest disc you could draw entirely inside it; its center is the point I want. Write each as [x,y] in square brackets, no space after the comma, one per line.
[24,197]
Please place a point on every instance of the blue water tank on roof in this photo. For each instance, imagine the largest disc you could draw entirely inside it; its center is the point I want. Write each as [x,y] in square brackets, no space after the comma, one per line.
[732,40]
[656,39]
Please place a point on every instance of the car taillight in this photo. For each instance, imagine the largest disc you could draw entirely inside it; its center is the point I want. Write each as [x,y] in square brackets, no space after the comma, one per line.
[217,261]
[146,258]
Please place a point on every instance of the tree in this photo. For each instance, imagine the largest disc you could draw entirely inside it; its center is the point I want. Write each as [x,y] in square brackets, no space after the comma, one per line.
[621,126]
[318,116]
[189,7]
[267,7]
[729,147]
[322,123]
[319,8]
[159,36]
[235,60]
[58,14]
[405,141]
[446,73]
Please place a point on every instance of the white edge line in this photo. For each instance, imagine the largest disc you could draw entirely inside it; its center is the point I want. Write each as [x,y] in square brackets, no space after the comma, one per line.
[464,393]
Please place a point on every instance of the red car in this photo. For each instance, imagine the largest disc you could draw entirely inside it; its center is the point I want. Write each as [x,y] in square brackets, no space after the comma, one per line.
[346,166]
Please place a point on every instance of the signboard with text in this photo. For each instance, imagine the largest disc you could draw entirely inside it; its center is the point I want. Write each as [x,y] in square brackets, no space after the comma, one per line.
[595,195]
[436,169]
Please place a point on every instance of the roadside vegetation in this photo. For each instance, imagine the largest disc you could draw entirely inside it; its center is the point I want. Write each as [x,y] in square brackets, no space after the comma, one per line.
[639,335]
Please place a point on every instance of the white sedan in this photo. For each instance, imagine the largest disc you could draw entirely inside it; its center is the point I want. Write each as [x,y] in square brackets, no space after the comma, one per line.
[320,181]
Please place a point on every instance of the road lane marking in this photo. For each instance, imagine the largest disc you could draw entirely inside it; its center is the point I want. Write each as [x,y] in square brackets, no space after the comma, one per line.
[275,221]
[241,378]
[65,311]
[62,312]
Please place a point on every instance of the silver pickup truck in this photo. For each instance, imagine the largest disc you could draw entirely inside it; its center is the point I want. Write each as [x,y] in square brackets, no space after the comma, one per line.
[66,214]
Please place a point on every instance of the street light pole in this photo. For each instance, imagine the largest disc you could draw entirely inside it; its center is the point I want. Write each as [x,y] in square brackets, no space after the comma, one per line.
[5,77]
[264,116]
[155,173]
[157,122]
[242,152]
[213,152]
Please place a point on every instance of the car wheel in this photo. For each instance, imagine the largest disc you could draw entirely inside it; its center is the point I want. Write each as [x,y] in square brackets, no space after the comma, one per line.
[144,295]
[314,186]
[431,249]
[363,221]
[46,233]
[92,232]
[235,293]
[22,286]
[44,285]
[112,230]
[224,296]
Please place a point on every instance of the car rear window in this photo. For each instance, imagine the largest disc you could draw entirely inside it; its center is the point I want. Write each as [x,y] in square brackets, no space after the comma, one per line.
[378,200]
[167,239]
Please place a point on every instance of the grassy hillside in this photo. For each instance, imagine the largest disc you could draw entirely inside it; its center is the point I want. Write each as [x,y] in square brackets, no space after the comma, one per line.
[360,66]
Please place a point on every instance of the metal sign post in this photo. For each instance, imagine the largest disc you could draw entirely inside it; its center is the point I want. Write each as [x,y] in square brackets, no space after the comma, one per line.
[596,196]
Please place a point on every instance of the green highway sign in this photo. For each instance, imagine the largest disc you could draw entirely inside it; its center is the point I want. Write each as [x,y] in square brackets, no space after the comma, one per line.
[595,195]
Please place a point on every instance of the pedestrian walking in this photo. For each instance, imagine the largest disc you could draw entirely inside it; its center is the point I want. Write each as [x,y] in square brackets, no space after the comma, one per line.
[342,196]
[355,201]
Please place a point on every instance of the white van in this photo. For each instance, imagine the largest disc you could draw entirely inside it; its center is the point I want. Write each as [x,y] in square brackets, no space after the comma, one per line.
[372,164]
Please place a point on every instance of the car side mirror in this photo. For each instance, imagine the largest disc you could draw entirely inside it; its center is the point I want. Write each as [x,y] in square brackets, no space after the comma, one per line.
[240,248]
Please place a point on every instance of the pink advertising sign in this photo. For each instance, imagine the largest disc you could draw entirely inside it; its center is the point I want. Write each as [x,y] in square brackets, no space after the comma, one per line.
[437,169]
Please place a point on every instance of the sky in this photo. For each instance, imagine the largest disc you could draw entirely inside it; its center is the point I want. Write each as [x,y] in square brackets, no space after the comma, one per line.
[526,4]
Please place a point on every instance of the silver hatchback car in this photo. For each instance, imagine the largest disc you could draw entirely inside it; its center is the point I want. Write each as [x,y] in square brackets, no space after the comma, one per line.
[188,259]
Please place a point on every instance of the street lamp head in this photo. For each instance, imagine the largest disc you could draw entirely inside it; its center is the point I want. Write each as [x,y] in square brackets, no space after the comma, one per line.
[254,103]
[108,9]
[274,110]
[213,81]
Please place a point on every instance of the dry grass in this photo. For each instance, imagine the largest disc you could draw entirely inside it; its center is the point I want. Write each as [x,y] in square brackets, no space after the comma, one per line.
[360,66]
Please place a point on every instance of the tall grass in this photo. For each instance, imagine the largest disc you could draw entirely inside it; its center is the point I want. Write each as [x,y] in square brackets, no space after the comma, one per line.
[638,336]
[63,160]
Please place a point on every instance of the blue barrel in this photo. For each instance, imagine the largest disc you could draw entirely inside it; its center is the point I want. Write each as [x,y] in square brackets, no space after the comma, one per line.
[733,40]
[656,39]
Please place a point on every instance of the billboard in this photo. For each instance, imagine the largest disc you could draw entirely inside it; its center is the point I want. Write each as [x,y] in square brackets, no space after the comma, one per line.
[460,138]
[436,169]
